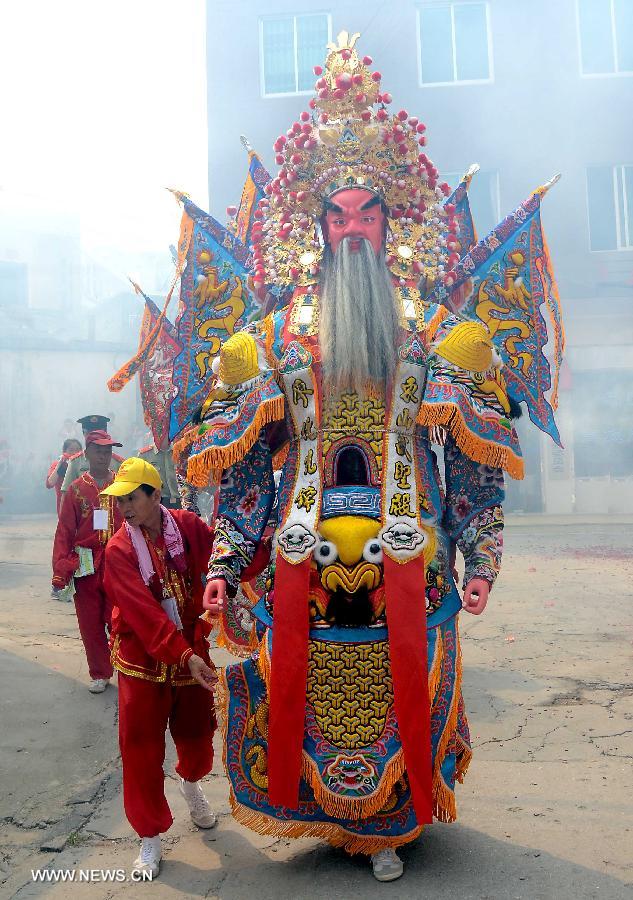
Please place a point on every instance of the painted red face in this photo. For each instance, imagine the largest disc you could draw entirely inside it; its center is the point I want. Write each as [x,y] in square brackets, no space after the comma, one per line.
[356,214]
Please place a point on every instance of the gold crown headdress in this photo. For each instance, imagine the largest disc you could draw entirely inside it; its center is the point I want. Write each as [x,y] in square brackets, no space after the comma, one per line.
[350,140]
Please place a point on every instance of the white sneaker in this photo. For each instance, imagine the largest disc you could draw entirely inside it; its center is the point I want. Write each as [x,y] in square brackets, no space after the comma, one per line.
[386,865]
[148,860]
[98,685]
[201,813]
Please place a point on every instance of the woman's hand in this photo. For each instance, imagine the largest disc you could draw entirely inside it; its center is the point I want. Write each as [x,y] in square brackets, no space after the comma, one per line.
[214,596]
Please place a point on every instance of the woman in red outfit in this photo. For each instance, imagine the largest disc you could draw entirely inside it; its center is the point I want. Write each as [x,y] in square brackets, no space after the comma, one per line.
[86,522]
[55,477]
[154,572]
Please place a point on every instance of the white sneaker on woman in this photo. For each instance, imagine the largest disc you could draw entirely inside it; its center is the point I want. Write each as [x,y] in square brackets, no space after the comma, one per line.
[386,865]
[148,860]
[201,813]
[98,685]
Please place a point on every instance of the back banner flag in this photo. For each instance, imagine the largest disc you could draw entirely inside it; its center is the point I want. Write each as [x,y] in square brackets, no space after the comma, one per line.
[512,279]
[216,299]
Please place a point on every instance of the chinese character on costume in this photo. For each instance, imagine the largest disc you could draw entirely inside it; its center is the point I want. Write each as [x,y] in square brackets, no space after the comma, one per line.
[392,329]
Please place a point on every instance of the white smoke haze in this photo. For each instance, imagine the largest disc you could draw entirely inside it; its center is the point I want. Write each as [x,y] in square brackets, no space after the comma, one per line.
[105,105]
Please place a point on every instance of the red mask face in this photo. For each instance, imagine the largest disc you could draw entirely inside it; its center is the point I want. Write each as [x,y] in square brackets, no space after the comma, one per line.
[357,214]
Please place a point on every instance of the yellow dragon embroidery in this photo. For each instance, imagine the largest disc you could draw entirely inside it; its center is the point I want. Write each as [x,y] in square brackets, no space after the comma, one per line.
[227,301]
[512,295]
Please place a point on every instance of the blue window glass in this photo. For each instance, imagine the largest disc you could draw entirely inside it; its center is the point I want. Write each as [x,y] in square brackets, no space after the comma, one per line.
[471,42]
[596,38]
[291,47]
[312,38]
[623,10]
[279,56]
[601,204]
[454,42]
[436,44]
[624,195]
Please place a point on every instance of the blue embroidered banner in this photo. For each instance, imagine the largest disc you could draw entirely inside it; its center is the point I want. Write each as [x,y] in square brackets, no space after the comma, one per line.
[155,374]
[215,301]
[467,237]
[256,180]
[512,279]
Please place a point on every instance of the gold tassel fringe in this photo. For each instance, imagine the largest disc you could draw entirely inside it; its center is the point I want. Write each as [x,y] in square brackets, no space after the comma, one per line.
[435,675]
[435,322]
[334,834]
[280,457]
[216,459]
[444,805]
[449,416]
[353,807]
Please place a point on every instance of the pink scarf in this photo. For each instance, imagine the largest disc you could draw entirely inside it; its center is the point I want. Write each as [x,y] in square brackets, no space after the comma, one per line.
[173,543]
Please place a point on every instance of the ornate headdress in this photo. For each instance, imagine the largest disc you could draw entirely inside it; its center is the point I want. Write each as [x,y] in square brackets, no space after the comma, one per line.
[350,140]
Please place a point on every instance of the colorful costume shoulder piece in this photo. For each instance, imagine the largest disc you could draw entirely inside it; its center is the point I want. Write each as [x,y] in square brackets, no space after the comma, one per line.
[466,394]
[246,398]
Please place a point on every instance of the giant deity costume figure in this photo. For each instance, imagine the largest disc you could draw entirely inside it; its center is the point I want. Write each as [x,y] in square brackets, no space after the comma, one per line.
[347,721]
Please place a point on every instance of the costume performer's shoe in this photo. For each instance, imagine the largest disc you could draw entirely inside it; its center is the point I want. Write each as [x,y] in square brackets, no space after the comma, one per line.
[98,685]
[55,594]
[386,865]
[201,813]
[148,860]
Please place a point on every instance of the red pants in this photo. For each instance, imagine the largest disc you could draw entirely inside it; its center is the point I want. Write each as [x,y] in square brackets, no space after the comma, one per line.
[94,611]
[146,708]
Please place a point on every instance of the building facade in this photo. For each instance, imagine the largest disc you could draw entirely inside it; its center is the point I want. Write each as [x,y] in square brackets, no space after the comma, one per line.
[525,90]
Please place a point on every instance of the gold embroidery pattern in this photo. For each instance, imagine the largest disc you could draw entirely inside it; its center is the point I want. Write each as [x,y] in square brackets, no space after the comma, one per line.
[350,690]
[348,414]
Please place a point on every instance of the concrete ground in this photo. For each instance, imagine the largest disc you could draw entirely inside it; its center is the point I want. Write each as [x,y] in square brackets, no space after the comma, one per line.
[546,810]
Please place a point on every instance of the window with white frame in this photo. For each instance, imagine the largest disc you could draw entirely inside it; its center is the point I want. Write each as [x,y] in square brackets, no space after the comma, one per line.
[610,207]
[605,35]
[483,196]
[454,42]
[290,47]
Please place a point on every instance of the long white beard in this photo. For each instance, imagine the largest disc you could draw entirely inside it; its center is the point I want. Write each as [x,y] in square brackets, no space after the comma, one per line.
[359,321]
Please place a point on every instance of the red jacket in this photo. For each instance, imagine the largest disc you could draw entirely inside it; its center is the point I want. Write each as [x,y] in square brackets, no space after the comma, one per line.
[145,643]
[58,483]
[75,526]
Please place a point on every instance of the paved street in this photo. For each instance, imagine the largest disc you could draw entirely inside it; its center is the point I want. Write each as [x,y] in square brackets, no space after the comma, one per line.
[546,812]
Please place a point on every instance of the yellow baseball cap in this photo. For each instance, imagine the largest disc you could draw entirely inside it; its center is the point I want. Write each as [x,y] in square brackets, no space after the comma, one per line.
[133,472]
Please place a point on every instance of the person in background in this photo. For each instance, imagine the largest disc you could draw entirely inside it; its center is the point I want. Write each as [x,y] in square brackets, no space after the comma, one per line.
[55,477]
[154,570]
[162,460]
[57,471]
[86,523]
[78,463]
[68,430]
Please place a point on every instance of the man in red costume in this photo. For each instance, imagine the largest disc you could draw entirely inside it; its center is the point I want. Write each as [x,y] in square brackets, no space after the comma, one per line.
[77,463]
[86,523]
[154,575]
